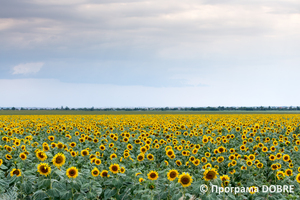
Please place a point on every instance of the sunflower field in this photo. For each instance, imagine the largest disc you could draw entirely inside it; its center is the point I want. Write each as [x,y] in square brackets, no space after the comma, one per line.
[147,156]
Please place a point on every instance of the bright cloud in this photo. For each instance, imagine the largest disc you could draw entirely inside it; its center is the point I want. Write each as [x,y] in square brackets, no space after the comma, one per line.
[28,68]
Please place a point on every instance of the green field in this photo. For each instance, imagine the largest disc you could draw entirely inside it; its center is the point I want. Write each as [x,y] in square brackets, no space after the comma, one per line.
[74,112]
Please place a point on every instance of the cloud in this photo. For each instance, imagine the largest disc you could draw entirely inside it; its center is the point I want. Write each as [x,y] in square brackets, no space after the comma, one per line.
[28,68]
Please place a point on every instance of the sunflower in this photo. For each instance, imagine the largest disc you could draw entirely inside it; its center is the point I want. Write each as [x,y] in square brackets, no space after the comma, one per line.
[278,155]
[141,180]
[298,178]
[104,173]
[224,178]
[185,179]
[289,172]
[95,172]
[167,163]
[102,147]
[203,159]
[150,156]
[60,145]
[23,156]
[16,172]
[122,170]
[272,157]
[41,155]
[1,162]
[73,154]
[286,157]
[72,172]
[72,144]
[97,161]
[274,167]
[265,149]
[112,156]
[59,160]
[259,165]
[253,189]
[44,169]
[178,162]
[196,162]
[51,138]
[172,174]
[210,174]
[114,168]
[153,175]
[143,149]
[169,152]
[220,159]
[85,152]
[280,175]
[249,163]
[140,157]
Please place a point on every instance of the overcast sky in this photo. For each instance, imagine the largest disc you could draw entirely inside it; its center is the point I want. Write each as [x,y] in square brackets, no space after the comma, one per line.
[112,53]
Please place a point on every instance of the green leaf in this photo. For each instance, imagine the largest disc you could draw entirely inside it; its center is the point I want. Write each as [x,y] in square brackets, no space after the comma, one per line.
[78,196]
[3,167]
[27,187]
[40,195]
[66,195]
[44,183]
[53,192]
[3,184]
[109,193]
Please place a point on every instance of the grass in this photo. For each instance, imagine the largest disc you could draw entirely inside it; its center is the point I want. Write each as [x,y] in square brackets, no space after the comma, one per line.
[75,112]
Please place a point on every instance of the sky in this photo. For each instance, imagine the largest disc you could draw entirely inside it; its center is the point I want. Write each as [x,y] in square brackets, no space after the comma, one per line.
[157,53]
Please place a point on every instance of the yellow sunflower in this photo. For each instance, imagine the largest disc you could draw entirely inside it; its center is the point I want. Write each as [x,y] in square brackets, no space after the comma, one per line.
[141,180]
[16,172]
[23,156]
[298,178]
[85,152]
[114,168]
[59,160]
[72,172]
[104,173]
[150,156]
[153,175]
[210,173]
[172,174]
[185,179]
[44,169]
[140,157]
[95,172]
[41,155]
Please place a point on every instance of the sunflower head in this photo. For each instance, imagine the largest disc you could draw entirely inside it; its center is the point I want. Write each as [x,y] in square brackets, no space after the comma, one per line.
[210,173]
[140,157]
[72,172]
[41,155]
[16,172]
[114,168]
[44,169]
[59,160]
[153,175]
[298,178]
[23,156]
[185,179]
[104,173]
[95,172]
[172,174]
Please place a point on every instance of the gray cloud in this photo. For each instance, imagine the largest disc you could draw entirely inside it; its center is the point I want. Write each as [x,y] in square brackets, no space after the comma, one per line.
[150,43]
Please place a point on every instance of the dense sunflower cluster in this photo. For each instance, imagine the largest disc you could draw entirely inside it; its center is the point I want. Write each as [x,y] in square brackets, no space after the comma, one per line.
[185,148]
